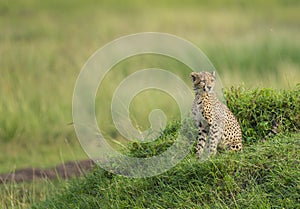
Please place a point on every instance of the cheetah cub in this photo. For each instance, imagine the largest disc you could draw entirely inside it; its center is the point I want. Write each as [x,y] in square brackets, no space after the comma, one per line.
[213,118]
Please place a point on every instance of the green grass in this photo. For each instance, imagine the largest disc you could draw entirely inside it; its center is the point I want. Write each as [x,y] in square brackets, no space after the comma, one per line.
[261,110]
[264,175]
[44,44]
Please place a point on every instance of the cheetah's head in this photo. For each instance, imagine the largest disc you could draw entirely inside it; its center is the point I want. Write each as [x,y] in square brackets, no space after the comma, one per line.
[204,81]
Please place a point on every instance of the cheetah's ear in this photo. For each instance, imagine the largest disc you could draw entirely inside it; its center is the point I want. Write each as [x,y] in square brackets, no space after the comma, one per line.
[213,73]
[193,76]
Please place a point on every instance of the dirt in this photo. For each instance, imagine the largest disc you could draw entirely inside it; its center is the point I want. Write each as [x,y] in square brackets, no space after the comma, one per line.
[61,171]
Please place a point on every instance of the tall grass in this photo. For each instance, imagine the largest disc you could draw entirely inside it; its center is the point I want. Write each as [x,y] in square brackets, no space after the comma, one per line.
[44,44]
[22,195]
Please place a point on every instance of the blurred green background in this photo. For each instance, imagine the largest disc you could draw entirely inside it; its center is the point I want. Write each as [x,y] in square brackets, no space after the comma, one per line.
[44,44]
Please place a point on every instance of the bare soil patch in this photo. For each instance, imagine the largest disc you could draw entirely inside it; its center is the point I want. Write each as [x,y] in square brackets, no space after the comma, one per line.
[63,171]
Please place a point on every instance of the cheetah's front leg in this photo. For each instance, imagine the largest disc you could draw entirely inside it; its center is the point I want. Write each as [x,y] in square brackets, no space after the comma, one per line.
[202,136]
[215,134]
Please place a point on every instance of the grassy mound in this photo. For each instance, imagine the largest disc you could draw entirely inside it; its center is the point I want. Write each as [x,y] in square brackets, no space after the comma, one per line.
[266,174]
[263,175]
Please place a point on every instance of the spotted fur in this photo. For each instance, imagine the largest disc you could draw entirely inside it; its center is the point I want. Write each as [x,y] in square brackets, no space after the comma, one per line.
[218,128]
